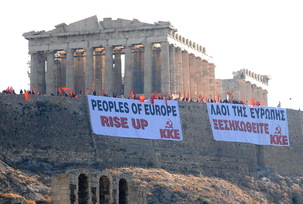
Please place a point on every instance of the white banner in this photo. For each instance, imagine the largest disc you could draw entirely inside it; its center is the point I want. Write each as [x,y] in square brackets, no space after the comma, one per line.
[135,119]
[242,123]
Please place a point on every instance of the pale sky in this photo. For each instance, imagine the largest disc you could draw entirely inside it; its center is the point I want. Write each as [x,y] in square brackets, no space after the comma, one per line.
[264,36]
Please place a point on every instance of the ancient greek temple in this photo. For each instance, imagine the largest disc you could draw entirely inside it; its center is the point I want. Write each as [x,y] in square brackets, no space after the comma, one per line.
[246,85]
[119,56]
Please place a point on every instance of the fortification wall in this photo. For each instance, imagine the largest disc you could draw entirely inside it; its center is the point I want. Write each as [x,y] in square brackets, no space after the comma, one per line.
[50,133]
[288,160]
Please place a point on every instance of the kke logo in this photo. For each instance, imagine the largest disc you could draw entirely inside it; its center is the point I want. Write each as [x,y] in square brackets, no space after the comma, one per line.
[278,130]
[278,138]
[169,132]
[169,124]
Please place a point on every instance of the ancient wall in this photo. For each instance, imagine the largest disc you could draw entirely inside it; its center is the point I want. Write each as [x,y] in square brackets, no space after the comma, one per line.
[50,134]
[91,186]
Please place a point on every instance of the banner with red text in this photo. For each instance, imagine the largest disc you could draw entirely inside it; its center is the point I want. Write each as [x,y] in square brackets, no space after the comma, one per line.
[135,119]
[243,123]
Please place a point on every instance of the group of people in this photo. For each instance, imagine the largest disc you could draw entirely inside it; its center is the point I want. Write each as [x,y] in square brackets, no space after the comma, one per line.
[64,91]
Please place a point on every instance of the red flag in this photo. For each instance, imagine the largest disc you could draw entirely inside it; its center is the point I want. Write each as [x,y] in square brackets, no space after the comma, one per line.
[131,94]
[157,95]
[200,98]
[152,99]
[64,88]
[26,95]
[90,88]
[103,93]
[166,100]
[141,98]
[252,101]
[60,92]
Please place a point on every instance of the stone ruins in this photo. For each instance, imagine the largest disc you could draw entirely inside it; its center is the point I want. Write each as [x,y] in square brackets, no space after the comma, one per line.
[117,56]
[83,186]
[246,85]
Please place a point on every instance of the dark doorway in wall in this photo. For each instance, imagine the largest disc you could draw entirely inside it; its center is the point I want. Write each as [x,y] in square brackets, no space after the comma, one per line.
[104,188]
[83,189]
[123,191]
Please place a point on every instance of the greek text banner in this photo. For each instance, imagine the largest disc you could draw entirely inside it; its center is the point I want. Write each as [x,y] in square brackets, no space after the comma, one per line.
[242,123]
[135,119]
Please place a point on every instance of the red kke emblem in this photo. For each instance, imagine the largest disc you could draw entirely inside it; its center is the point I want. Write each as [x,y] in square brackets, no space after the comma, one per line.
[278,130]
[169,124]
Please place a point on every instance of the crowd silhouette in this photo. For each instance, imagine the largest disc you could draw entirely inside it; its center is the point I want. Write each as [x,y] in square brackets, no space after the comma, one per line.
[66,92]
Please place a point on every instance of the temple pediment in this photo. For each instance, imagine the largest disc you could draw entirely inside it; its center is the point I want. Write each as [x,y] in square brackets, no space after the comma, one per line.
[92,25]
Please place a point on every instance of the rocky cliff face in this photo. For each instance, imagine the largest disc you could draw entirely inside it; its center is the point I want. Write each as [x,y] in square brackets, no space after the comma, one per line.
[165,187]
[23,185]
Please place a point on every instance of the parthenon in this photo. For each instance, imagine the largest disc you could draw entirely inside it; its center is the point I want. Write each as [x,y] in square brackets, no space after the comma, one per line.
[119,56]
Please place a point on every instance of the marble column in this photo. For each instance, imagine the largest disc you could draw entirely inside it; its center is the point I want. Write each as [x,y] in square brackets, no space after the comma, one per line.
[117,73]
[148,74]
[33,71]
[185,69]
[259,94]
[212,81]
[98,77]
[254,92]
[165,75]
[199,76]
[248,92]
[173,79]
[138,69]
[89,69]
[265,99]
[192,76]
[241,90]
[205,79]
[41,73]
[108,70]
[50,74]
[179,72]
[129,71]
[70,75]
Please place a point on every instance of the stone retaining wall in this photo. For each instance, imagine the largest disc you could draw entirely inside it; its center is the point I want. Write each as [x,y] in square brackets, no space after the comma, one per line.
[48,133]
